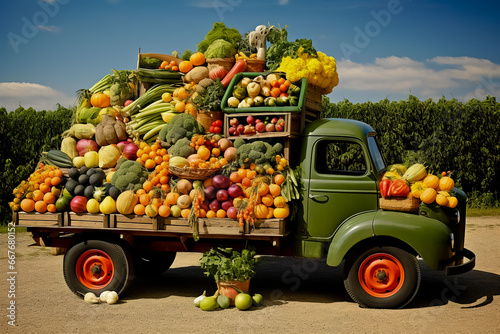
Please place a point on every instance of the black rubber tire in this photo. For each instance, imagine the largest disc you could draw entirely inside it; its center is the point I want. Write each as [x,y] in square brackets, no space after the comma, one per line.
[153,263]
[405,293]
[118,255]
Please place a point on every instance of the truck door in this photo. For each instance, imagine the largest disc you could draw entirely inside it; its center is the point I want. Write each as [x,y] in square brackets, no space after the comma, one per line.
[342,183]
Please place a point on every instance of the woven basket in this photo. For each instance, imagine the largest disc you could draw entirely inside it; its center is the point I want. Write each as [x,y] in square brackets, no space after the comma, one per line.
[400,204]
[206,118]
[255,65]
[193,173]
[227,63]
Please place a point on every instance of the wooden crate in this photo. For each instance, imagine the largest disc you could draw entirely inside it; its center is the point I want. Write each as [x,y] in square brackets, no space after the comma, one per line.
[133,222]
[313,98]
[88,220]
[225,226]
[292,125]
[46,219]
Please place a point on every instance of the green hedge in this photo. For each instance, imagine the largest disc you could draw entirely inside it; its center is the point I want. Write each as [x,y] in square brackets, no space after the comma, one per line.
[446,135]
[24,135]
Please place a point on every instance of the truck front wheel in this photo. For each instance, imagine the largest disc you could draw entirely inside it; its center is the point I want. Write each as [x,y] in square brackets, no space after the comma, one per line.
[382,277]
[97,266]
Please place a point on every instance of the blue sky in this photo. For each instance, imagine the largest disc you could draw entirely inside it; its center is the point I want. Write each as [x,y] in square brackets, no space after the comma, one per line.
[384,48]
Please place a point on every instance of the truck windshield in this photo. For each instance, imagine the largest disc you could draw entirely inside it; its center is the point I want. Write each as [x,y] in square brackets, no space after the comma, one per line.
[378,159]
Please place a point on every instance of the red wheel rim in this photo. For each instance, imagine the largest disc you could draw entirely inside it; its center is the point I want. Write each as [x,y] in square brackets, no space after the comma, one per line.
[94,269]
[381,275]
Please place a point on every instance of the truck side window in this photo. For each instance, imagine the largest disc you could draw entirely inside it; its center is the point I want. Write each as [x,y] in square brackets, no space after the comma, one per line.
[340,157]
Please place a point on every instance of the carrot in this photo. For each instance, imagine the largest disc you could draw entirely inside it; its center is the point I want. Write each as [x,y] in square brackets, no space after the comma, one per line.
[238,67]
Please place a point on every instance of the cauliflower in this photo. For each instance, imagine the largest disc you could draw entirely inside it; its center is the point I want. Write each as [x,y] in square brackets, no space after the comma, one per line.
[258,152]
[181,126]
[130,175]
[181,148]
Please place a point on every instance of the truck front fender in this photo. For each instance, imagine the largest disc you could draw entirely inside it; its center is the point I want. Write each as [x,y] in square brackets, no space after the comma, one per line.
[430,238]
[353,230]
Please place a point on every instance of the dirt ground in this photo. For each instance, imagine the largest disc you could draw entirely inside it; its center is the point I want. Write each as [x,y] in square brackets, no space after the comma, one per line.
[301,296]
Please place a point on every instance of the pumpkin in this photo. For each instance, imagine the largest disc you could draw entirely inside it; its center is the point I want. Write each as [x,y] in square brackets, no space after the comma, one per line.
[442,200]
[431,181]
[197,58]
[428,196]
[446,183]
[279,202]
[100,100]
[260,211]
[126,201]
[282,212]
[108,205]
[452,202]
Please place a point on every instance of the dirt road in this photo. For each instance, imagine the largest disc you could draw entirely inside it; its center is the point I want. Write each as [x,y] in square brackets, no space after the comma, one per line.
[301,296]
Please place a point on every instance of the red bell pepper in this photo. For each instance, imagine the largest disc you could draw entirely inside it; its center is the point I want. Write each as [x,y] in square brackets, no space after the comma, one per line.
[384,186]
[399,188]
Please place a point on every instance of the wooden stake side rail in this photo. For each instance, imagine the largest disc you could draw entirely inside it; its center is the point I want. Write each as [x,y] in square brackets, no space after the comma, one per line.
[207,227]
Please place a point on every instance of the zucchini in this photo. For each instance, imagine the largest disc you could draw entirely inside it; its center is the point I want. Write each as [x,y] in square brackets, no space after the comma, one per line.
[161,74]
[59,158]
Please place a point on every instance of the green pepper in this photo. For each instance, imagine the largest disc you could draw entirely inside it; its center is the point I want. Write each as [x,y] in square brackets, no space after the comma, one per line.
[293,90]
[282,101]
[239,92]
[293,100]
[258,101]
[270,101]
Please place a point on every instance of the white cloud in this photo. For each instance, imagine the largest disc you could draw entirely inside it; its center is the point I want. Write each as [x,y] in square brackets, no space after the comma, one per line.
[53,29]
[460,77]
[25,94]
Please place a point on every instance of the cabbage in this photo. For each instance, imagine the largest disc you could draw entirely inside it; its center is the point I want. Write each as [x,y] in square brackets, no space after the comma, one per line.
[220,49]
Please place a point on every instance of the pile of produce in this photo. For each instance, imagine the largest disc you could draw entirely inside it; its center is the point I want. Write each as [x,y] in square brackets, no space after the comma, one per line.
[149,155]
[416,182]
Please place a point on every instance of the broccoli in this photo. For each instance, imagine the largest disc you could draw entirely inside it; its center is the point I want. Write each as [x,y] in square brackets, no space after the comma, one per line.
[181,126]
[130,176]
[257,152]
[181,148]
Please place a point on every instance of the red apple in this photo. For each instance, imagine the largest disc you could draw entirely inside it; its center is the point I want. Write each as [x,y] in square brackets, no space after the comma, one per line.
[274,120]
[240,129]
[270,127]
[260,127]
[250,120]
[279,127]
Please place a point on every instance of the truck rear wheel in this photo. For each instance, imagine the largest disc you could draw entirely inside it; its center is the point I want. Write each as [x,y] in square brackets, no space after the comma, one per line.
[97,266]
[382,277]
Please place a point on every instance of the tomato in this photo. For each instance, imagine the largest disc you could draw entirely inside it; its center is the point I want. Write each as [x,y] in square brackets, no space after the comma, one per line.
[217,123]
[399,188]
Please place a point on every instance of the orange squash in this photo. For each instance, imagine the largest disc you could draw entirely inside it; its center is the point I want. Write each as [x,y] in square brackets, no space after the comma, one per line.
[428,196]
[279,202]
[442,200]
[446,183]
[282,212]
[185,66]
[100,100]
[452,202]
[260,211]
[431,181]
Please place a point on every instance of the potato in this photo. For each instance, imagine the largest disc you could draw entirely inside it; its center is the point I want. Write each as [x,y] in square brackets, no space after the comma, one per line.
[197,74]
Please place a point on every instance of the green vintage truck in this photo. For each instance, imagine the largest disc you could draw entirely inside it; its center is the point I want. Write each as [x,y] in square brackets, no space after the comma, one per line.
[339,218]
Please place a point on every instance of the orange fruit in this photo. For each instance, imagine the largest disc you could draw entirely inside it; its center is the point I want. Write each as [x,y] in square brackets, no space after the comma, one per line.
[263,189]
[202,213]
[149,164]
[164,179]
[49,198]
[146,149]
[211,214]
[172,198]
[58,173]
[185,213]
[185,66]
[235,177]
[40,206]
[27,205]
[164,210]
[274,190]
[144,199]
[51,208]
[37,195]
[203,152]
[220,213]
[267,200]
[157,202]
[139,209]
[246,182]
[45,188]
[147,186]
[279,179]
[56,180]
[139,192]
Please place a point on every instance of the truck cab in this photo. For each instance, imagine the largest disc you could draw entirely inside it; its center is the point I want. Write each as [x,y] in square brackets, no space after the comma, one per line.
[340,219]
